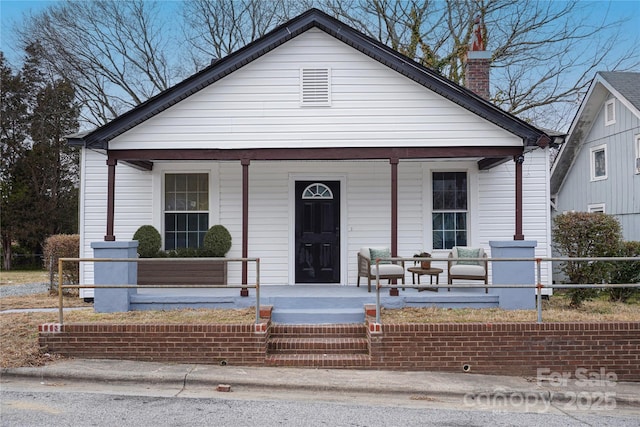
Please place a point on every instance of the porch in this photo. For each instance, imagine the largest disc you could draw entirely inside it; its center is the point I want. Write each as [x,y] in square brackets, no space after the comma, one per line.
[312,304]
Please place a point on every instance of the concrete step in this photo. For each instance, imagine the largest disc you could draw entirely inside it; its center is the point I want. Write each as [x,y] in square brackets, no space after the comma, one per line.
[318,346]
[319,360]
[312,302]
[317,315]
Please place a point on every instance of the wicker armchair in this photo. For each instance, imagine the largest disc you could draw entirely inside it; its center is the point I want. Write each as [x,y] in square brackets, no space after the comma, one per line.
[467,270]
[367,267]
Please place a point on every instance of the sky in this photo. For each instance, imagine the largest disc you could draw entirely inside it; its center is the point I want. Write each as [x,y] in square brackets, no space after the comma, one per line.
[13,11]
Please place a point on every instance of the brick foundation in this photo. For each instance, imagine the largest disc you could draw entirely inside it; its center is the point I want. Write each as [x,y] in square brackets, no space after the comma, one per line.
[207,344]
[503,348]
[510,348]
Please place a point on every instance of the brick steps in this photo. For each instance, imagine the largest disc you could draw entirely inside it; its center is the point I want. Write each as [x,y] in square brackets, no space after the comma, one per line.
[317,345]
[319,360]
[331,346]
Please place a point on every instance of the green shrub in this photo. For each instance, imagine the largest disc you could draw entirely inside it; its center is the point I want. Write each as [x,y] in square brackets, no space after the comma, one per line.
[62,246]
[626,272]
[582,234]
[217,241]
[185,253]
[149,241]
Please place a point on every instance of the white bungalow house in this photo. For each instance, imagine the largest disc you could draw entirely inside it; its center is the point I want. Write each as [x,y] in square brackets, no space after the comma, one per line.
[598,167]
[309,144]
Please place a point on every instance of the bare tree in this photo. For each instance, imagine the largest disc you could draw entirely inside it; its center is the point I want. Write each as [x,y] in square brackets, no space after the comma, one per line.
[543,55]
[120,53]
[216,28]
[117,53]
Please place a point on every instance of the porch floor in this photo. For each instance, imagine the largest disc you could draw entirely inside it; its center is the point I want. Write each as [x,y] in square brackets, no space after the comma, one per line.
[310,303]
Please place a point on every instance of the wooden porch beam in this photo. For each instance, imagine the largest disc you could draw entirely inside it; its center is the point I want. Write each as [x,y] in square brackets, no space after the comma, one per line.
[143,165]
[491,162]
[348,153]
[245,223]
[394,216]
[111,196]
[519,161]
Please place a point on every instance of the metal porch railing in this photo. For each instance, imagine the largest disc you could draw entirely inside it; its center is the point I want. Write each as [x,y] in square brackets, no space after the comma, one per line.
[62,286]
[538,285]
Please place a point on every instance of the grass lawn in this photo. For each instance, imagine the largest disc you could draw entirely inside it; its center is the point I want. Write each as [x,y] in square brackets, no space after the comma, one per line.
[19,331]
[19,277]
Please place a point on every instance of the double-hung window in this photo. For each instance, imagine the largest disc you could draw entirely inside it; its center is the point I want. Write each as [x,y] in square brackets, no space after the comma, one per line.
[449,212]
[598,163]
[186,209]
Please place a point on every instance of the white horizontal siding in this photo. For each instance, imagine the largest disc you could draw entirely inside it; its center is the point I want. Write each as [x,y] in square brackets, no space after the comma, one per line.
[496,204]
[258,106]
[366,206]
[133,204]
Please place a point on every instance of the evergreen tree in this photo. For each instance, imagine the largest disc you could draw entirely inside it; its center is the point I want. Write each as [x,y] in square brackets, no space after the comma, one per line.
[39,171]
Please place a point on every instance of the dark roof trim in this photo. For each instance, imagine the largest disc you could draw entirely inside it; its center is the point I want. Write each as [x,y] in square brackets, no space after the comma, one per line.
[313,18]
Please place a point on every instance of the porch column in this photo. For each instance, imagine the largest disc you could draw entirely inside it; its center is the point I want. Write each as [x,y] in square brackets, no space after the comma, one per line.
[394,216]
[519,161]
[118,274]
[111,194]
[245,222]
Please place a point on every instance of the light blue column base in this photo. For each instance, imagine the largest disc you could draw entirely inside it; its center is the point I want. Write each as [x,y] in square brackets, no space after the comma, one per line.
[514,273]
[110,300]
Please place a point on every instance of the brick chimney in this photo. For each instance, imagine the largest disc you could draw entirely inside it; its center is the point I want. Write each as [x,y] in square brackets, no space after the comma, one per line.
[478,62]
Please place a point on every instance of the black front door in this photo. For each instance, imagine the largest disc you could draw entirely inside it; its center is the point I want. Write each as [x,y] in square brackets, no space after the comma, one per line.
[317,232]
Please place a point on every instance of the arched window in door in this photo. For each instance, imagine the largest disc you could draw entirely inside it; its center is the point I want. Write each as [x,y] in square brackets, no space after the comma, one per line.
[317,191]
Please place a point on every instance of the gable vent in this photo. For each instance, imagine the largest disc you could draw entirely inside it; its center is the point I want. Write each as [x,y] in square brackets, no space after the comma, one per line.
[315,87]
[610,112]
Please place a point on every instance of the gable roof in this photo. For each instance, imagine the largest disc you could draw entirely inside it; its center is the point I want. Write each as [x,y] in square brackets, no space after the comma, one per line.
[625,86]
[100,137]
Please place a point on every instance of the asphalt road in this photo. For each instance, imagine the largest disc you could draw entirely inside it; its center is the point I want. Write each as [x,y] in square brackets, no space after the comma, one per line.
[32,403]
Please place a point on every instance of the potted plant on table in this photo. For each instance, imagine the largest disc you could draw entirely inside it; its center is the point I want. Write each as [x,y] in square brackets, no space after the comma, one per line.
[423,263]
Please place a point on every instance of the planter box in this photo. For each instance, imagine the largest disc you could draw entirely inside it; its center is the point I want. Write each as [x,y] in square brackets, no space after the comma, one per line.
[182,272]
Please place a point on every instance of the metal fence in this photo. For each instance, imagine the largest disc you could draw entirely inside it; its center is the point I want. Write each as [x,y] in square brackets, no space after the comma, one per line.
[539,286]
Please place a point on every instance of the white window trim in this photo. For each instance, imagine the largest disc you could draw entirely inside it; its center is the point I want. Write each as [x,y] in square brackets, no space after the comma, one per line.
[592,162]
[610,119]
[637,159]
[431,210]
[160,169]
[473,206]
[596,207]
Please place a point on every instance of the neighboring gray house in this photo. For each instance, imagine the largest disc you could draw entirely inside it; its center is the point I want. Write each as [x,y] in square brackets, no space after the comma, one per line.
[598,167]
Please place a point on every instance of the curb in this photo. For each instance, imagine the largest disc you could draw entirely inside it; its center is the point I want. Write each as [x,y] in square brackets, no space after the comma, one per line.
[192,377]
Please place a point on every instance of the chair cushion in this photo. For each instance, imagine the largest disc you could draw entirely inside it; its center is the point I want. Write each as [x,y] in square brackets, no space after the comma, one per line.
[468,253]
[380,253]
[388,269]
[467,270]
